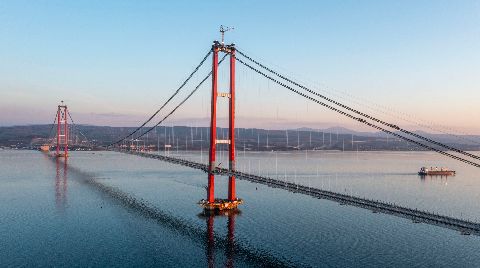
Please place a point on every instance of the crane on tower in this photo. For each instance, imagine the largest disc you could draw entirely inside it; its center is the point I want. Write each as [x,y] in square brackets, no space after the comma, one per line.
[224,29]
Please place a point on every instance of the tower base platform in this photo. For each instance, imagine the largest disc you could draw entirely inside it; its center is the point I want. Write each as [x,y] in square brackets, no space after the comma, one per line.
[61,155]
[220,204]
[219,213]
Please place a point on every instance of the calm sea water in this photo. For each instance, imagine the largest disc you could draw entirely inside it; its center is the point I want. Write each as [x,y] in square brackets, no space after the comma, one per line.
[110,209]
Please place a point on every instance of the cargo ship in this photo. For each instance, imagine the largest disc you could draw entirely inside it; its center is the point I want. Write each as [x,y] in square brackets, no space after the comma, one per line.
[436,171]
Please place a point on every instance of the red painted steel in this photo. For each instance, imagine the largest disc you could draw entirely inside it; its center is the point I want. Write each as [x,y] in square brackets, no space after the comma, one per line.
[232,199]
[213,128]
[65,131]
[62,125]
[231,119]
[58,130]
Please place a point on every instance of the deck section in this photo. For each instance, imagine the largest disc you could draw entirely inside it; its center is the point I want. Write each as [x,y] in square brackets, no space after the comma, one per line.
[465,227]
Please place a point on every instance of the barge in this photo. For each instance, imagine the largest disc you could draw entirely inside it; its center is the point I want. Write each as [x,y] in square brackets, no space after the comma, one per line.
[424,171]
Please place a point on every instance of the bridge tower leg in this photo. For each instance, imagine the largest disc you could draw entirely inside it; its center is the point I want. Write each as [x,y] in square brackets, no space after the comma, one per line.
[232,201]
[231,127]
[58,131]
[65,131]
[213,128]
[62,131]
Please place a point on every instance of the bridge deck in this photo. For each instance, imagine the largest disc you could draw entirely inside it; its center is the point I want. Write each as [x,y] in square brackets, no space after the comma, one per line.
[418,216]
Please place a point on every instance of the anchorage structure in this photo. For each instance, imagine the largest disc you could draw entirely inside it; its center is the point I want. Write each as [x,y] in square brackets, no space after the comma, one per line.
[232,202]
[62,131]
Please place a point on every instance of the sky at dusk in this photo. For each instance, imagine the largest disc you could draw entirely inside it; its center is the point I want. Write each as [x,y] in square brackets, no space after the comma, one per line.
[115,62]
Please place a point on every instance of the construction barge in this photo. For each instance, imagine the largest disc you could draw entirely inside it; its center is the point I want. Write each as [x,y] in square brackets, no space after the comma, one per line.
[424,171]
[45,148]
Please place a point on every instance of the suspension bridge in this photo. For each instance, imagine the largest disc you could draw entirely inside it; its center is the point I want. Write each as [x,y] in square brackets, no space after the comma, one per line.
[219,53]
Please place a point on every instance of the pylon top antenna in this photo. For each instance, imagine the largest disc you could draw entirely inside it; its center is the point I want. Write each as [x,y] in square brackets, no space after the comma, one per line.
[224,29]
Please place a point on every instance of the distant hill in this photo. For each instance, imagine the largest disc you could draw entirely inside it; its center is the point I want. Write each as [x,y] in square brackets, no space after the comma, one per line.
[196,138]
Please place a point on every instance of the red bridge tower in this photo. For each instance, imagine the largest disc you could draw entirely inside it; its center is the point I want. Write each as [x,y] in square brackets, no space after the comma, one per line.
[232,202]
[62,131]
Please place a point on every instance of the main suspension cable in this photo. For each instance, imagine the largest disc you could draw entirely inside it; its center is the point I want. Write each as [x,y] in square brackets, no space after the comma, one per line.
[410,118]
[358,112]
[175,109]
[361,120]
[168,100]
[53,126]
[75,127]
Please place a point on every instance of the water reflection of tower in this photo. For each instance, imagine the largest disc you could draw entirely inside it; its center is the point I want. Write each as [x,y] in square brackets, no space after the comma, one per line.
[61,183]
[230,239]
[210,251]
[230,249]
